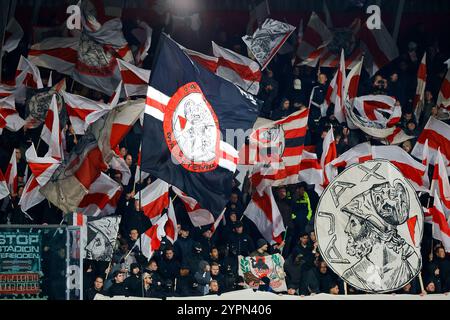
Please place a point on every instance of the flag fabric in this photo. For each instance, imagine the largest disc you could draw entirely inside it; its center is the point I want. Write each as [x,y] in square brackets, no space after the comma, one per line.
[279,146]
[42,168]
[209,62]
[11,174]
[101,238]
[358,154]
[150,240]
[264,213]
[30,194]
[310,169]
[215,225]
[337,97]
[352,81]
[118,163]
[9,117]
[329,153]
[142,52]
[154,198]
[198,215]
[51,131]
[187,110]
[6,91]
[314,41]
[420,88]
[140,175]
[83,111]
[100,46]
[27,74]
[397,137]
[58,53]
[116,125]
[71,182]
[379,47]
[440,183]
[438,135]
[267,40]
[101,200]
[318,45]
[13,35]
[39,103]
[440,223]
[237,69]
[443,100]
[4,191]
[135,80]
[411,169]
[375,115]
[171,227]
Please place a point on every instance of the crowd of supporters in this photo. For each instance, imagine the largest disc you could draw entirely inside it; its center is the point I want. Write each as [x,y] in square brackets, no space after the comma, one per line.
[201,262]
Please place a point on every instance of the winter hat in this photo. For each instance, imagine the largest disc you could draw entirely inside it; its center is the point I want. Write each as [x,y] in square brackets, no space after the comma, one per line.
[297,84]
[260,243]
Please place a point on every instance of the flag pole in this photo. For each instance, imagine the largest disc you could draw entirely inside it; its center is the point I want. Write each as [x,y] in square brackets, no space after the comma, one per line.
[345,288]
[284,238]
[421,283]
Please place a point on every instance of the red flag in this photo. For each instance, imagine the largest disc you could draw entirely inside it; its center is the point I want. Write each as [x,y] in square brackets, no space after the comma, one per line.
[154,199]
[4,192]
[264,213]
[440,183]
[11,174]
[135,80]
[151,239]
[420,89]
[199,216]
[441,226]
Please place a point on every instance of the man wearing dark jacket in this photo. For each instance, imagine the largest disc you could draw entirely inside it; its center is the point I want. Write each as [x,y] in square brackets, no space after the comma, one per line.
[169,267]
[97,288]
[183,245]
[134,281]
[240,241]
[203,278]
[118,288]
[195,257]
[216,275]
[185,282]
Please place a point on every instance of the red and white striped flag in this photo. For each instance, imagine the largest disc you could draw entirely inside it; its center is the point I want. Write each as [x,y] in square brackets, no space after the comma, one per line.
[6,90]
[27,74]
[83,111]
[279,146]
[358,154]
[337,97]
[140,176]
[377,108]
[264,213]
[13,35]
[438,135]
[216,223]
[51,132]
[440,223]
[310,169]
[42,168]
[4,192]
[411,169]
[397,137]
[9,117]
[443,100]
[142,52]
[171,227]
[420,89]
[118,163]
[237,69]
[102,198]
[329,153]
[79,220]
[154,199]
[379,47]
[198,216]
[30,195]
[135,80]
[210,63]
[151,239]
[315,39]
[352,81]
[440,183]
[11,174]
[56,53]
